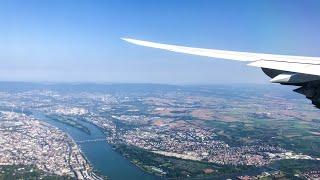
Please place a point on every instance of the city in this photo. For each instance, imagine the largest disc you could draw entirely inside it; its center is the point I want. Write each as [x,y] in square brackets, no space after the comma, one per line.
[159,90]
[224,137]
[27,141]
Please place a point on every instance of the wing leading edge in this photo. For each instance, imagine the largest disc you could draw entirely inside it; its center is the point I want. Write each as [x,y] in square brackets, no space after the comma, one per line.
[288,70]
[298,64]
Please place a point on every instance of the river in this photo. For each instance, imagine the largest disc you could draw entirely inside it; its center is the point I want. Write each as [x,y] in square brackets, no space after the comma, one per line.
[103,158]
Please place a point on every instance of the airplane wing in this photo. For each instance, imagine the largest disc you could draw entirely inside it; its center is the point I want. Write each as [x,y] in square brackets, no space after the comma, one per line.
[299,64]
[289,70]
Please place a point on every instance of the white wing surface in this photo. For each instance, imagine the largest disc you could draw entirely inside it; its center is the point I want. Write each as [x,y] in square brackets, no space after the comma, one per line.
[297,64]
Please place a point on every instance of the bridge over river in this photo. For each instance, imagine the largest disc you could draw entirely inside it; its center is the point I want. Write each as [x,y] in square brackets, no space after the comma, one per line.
[91,140]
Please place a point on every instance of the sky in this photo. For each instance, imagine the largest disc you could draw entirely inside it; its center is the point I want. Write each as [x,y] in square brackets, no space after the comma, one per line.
[79,40]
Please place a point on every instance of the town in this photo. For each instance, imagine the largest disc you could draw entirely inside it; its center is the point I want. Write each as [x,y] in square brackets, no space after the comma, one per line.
[28,141]
[192,128]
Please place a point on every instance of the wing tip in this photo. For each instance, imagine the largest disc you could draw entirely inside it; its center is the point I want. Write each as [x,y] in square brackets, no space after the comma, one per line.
[138,42]
[130,40]
[125,39]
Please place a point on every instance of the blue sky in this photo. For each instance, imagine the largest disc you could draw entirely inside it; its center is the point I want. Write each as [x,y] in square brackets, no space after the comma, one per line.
[68,41]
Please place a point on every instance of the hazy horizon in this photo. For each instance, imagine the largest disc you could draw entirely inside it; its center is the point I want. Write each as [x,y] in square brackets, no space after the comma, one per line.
[151,83]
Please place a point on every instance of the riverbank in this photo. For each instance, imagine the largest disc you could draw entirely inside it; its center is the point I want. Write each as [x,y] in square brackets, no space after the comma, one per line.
[101,155]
